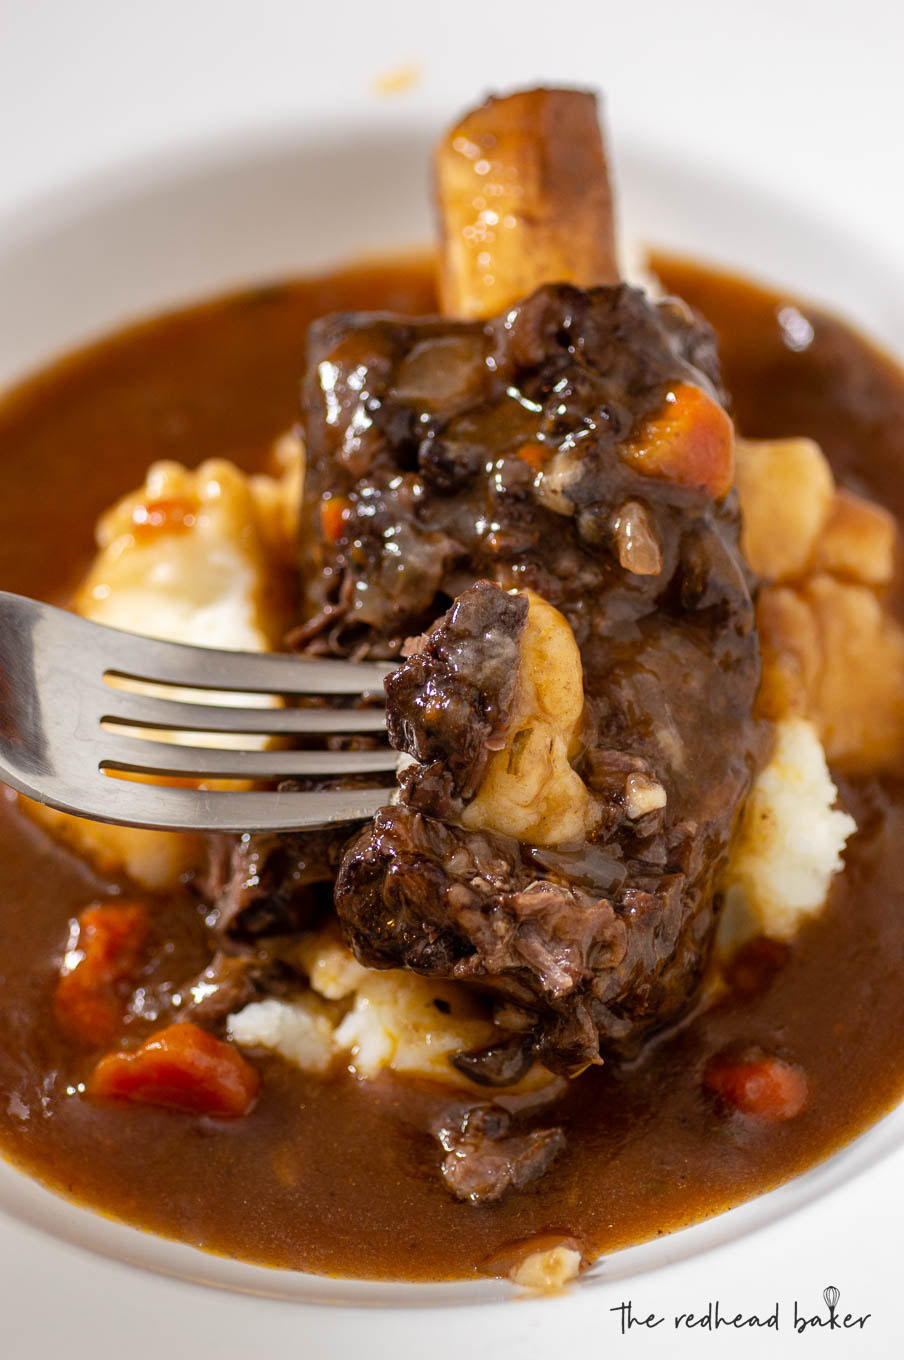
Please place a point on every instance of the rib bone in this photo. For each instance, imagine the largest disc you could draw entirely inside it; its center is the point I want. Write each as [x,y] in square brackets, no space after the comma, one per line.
[524,199]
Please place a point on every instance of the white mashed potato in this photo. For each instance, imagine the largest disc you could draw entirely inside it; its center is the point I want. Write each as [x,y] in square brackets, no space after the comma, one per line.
[370,1020]
[789,843]
[530,790]
[548,1271]
[194,555]
[189,557]
[295,1030]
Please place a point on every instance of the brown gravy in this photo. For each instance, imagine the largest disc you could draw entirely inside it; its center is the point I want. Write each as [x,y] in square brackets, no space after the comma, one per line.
[337,1177]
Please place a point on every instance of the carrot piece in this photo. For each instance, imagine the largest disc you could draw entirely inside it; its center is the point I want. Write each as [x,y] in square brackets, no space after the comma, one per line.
[535,455]
[102,958]
[762,1087]
[334,511]
[164,516]
[691,442]
[181,1067]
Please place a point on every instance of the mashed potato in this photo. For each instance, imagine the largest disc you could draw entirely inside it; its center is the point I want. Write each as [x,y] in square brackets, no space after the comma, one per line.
[530,790]
[832,650]
[189,556]
[548,1271]
[786,488]
[789,844]
[192,556]
[833,654]
[296,1030]
[371,1020]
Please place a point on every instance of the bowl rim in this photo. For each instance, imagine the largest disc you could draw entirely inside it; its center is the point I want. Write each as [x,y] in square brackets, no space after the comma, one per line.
[27,1205]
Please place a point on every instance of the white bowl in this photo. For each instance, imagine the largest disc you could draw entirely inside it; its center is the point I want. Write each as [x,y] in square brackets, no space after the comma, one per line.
[139,239]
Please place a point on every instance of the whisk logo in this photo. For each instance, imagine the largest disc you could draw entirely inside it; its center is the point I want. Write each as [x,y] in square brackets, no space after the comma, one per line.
[832,1318]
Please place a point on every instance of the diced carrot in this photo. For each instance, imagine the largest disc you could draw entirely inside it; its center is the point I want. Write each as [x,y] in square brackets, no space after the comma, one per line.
[334,511]
[535,455]
[168,516]
[765,1088]
[181,1067]
[102,958]
[691,442]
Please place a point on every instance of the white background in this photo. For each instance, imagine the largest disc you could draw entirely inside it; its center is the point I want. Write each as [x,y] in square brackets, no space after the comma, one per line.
[804,99]
[806,94]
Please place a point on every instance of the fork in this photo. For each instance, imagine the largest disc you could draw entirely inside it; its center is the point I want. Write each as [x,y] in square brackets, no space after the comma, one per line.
[68,722]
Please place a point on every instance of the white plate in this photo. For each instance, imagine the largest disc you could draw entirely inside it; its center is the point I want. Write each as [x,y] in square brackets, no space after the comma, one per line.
[190,219]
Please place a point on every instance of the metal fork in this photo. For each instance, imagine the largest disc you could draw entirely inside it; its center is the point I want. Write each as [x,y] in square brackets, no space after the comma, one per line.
[65,728]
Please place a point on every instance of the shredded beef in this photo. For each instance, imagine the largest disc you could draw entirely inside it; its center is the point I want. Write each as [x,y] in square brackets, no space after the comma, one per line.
[448,705]
[501,1063]
[269,884]
[594,971]
[571,371]
[471,452]
[231,980]
[484,1159]
[225,985]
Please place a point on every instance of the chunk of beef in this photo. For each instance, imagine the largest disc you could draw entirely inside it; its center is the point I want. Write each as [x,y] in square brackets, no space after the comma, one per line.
[469,450]
[231,980]
[449,704]
[646,569]
[225,985]
[484,1159]
[451,894]
[500,1063]
[269,884]
[595,971]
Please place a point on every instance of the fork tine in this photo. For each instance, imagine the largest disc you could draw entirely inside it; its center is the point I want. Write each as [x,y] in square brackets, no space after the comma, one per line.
[139,756]
[53,748]
[136,657]
[139,710]
[175,663]
[159,808]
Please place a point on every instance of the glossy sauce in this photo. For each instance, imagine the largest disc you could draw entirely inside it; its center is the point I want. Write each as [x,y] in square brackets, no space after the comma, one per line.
[340,1177]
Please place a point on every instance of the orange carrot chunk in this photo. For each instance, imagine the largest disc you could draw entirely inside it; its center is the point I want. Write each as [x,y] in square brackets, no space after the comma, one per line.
[181,1067]
[102,959]
[691,442]
[334,511]
[534,454]
[164,516]
[762,1087]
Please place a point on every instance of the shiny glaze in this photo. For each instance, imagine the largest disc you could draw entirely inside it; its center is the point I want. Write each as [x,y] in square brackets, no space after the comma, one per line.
[339,1177]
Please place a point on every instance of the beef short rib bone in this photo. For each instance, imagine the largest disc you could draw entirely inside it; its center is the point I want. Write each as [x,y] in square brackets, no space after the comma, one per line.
[512,215]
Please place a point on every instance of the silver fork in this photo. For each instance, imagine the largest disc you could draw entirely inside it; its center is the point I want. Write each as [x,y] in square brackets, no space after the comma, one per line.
[64,728]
